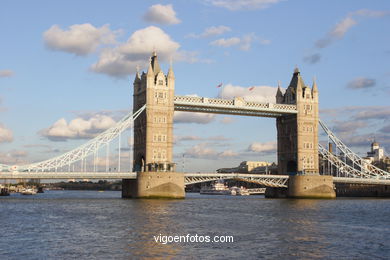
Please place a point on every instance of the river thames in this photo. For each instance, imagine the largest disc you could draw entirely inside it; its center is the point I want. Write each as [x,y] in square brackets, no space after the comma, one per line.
[101,225]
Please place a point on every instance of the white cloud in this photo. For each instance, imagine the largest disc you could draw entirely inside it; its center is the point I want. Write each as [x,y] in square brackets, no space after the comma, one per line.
[190,57]
[266,147]
[6,73]
[361,83]
[189,117]
[79,39]
[341,28]
[337,32]
[226,42]
[213,141]
[123,59]
[370,13]
[227,120]
[312,58]
[201,150]
[211,31]
[228,153]
[348,127]
[370,113]
[262,94]
[234,5]
[78,128]
[186,138]
[13,157]
[244,43]
[205,151]
[6,134]
[161,14]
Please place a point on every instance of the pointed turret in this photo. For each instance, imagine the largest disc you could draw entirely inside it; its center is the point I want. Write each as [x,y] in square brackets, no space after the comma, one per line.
[137,77]
[314,89]
[154,63]
[170,71]
[150,72]
[279,94]
[297,83]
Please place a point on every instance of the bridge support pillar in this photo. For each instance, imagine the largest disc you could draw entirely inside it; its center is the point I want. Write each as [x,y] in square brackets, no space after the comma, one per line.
[154,185]
[311,186]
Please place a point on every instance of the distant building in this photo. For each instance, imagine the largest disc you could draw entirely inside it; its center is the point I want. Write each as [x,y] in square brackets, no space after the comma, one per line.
[377,153]
[252,167]
[249,166]
[377,157]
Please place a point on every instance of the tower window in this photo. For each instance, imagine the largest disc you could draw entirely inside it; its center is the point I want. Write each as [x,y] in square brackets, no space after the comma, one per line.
[160,82]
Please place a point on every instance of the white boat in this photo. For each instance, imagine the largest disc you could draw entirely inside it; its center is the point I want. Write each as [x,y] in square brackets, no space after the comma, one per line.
[236,191]
[28,192]
[217,188]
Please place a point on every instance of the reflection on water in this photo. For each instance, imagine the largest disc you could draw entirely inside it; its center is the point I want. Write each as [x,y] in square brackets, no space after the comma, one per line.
[92,225]
[155,217]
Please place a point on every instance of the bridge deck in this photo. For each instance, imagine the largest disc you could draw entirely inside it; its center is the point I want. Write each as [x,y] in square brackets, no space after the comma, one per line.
[190,178]
[236,106]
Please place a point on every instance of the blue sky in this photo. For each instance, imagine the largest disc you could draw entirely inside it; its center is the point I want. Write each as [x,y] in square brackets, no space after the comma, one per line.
[74,61]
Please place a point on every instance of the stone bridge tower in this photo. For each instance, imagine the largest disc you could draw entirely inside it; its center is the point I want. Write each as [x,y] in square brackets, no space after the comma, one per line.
[153,136]
[298,142]
[298,134]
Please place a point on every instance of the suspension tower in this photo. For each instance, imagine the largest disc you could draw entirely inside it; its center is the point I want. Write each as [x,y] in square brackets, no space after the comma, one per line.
[153,137]
[298,142]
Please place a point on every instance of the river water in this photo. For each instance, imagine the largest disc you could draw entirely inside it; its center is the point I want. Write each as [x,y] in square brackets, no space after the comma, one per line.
[101,225]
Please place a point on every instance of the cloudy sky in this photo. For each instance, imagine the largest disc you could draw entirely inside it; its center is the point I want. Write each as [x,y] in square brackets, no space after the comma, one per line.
[67,68]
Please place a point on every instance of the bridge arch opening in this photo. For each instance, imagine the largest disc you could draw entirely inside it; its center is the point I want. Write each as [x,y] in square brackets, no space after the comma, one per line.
[139,163]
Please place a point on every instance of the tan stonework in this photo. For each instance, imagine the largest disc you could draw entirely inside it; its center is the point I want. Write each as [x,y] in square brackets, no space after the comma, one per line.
[311,186]
[153,136]
[155,185]
[298,134]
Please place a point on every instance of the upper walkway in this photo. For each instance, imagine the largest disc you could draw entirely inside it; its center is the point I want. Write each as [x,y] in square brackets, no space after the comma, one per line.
[236,106]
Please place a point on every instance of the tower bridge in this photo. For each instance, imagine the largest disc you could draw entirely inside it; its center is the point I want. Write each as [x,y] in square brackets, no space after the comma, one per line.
[154,172]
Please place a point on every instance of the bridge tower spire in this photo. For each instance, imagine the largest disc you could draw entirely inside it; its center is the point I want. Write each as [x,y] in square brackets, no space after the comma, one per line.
[298,134]
[153,136]
[298,141]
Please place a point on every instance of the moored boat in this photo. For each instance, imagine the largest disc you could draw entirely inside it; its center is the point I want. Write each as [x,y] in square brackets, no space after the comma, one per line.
[239,191]
[4,192]
[28,192]
[217,188]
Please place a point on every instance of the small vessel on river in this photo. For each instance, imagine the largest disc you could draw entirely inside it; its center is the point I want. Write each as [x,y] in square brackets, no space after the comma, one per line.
[4,191]
[217,188]
[28,192]
[239,191]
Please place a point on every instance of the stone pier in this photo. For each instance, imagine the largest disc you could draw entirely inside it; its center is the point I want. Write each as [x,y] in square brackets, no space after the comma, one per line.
[305,187]
[311,186]
[154,185]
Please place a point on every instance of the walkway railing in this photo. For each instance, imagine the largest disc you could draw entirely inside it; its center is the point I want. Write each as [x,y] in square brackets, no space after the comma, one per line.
[236,106]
